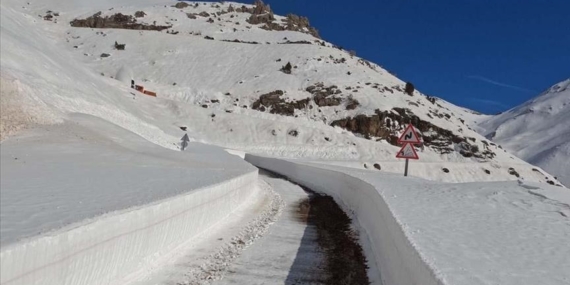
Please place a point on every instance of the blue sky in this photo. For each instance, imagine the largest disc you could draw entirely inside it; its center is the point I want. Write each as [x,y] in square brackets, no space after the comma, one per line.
[487,55]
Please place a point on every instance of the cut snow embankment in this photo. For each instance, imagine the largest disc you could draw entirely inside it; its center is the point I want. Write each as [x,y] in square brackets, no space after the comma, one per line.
[422,232]
[87,202]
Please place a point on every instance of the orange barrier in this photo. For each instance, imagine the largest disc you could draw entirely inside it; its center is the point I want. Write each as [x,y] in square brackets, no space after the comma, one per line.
[150,93]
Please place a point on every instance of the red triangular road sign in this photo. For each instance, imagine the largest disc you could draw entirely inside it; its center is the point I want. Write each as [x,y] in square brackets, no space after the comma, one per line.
[408,151]
[409,136]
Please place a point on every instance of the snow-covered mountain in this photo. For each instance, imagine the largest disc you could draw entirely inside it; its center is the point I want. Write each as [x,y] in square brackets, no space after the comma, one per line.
[235,76]
[537,131]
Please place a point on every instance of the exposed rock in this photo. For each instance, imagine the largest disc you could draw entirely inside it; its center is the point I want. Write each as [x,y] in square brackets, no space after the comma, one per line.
[445,170]
[287,68]
[262,14]
[181,5]
[243,42]
[119,46]
[278,105]
[322,96]
[386,125]
[293,133]
[409,89]
[208,38]
[183,128]
[512,171]
[351,103]
[105,55]
[298,42]
[377,166]
[204,14]
[116,21]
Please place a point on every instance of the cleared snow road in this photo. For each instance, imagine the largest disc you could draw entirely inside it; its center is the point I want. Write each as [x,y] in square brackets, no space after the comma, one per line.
[288,253]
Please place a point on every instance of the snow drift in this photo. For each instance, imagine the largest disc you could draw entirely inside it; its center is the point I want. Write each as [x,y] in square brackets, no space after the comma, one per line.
[110,248]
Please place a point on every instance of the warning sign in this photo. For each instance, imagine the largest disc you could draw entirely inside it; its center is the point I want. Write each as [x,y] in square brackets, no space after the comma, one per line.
[408,151]
[409,136]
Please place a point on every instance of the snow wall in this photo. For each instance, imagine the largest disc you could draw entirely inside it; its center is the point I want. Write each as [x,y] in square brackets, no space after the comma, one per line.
[109,248]
[396,259]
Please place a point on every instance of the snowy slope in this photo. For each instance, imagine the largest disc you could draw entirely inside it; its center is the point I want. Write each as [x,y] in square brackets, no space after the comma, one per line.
[537,131]
[211,86]
[56,83]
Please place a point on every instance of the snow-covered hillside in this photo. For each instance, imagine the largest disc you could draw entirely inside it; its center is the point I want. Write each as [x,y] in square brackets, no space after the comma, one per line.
[95,189]
[220,69]
[537,131]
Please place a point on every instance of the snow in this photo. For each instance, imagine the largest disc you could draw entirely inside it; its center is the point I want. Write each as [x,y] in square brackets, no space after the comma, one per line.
[289,254]
[95,189]
[542,121]
[112,165]
[91,196]
[204,70]
[466,233]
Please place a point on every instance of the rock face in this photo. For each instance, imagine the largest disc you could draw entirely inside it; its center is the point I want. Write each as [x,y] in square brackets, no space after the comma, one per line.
[116,21]
[262,14]
[278,105]
[385,125]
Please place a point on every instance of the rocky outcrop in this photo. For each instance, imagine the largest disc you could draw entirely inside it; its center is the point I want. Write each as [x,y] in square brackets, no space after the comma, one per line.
[386,125]
[262,14]
[323,96]
[278,105]
[116,21]
[181,5]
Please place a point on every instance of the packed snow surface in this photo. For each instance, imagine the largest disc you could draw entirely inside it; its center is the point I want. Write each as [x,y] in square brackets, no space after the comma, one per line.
[467,233]
[537,131]
[288,254]
[61,175]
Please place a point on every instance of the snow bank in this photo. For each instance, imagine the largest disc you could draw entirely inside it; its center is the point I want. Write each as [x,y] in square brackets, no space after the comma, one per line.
[114,246]
[416,231]
[396,260]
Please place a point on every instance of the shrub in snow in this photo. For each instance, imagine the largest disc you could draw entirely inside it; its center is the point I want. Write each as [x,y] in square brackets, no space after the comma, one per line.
[445,170]
[140,14]
[377,166]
